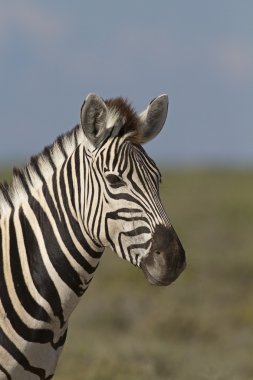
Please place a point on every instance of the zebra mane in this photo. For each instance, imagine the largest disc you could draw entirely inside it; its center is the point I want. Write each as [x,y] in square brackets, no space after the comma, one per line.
[127,117]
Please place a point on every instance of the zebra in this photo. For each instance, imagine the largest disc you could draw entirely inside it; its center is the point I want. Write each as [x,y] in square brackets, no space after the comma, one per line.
[94,187]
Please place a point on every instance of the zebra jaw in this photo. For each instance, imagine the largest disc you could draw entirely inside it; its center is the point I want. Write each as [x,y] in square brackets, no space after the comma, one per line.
[166,259]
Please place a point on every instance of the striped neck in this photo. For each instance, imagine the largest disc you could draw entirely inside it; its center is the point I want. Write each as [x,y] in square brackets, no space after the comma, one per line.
[49,254]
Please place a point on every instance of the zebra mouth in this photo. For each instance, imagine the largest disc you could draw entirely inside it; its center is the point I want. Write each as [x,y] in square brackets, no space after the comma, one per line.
[155,281]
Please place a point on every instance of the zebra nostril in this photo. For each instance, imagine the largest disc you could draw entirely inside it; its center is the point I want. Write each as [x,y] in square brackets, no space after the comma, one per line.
[156,252]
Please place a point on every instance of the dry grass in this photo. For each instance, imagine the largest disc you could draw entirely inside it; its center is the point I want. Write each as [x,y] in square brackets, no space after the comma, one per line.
[199,328]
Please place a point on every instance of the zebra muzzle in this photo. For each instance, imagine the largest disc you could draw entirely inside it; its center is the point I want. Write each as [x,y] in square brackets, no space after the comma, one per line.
[166,259]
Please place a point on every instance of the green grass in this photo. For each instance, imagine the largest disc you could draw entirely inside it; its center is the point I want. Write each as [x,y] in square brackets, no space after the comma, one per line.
[200,327]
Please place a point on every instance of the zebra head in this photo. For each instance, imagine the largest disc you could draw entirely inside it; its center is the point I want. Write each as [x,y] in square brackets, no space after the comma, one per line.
[129,216]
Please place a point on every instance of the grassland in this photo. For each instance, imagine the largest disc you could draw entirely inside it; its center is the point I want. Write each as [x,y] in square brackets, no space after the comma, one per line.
[200,327]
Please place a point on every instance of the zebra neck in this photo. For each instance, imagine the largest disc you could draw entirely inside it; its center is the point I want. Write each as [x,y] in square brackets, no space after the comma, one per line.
[47,257]
[71,254]
[49,253]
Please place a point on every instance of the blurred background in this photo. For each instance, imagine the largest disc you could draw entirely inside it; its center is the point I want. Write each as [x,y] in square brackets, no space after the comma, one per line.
[200,53]
[52,54]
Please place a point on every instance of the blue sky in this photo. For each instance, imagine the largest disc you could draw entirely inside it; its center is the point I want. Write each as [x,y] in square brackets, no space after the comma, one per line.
[53,53]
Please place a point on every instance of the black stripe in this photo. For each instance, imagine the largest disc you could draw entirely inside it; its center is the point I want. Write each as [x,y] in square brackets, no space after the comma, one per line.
[36,168]
[75,136]
[21,175]
[77,171]
[27,301]
[124,159]
[108,154]
[97,204]
[47,154]
[116,153]
[56,196]
[40,276]
[90,191]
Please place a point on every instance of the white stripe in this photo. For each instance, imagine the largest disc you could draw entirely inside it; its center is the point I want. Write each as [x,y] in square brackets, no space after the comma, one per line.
[65,175]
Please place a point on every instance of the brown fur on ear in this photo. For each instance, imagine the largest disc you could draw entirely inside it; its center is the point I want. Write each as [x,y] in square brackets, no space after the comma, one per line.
[127,117]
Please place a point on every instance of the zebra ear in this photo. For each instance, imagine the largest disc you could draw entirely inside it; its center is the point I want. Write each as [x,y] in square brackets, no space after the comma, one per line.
[153,117]
[93,119]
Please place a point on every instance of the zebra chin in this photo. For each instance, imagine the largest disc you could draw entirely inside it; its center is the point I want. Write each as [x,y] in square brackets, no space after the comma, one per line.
[166,258]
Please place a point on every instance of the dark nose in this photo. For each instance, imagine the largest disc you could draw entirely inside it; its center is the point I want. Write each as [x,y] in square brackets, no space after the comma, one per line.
[166,259]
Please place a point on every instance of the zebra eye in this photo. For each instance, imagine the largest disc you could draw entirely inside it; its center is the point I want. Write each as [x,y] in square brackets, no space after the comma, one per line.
[115,181]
